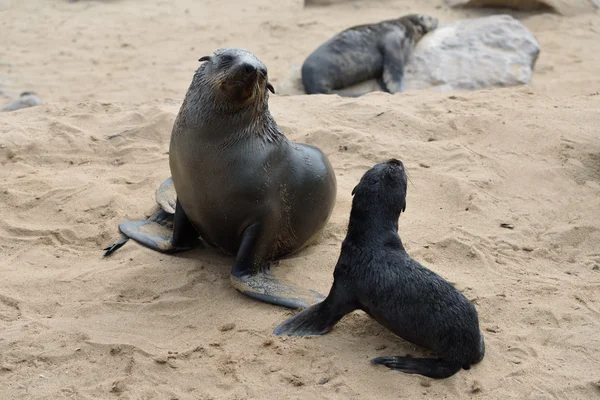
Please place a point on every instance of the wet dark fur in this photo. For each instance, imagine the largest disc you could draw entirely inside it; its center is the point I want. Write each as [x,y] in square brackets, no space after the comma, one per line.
[371,51]
[375,274]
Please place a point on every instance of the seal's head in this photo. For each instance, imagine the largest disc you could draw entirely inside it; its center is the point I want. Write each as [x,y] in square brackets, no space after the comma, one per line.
[422,23]
[381,193]
[234,76]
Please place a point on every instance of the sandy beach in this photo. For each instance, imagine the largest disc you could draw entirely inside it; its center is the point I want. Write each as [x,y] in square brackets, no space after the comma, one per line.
[142,325]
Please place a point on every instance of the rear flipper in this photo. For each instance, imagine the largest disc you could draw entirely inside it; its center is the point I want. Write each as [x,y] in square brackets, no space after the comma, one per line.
[163,232]
[431,367]
[320,318]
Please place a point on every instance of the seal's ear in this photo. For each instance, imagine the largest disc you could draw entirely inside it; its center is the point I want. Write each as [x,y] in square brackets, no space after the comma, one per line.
[205,58]
[354,190]
[270,87]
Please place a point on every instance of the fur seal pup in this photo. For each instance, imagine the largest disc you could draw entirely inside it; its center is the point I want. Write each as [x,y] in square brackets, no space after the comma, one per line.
[372,51]
[238,182]
[375,274]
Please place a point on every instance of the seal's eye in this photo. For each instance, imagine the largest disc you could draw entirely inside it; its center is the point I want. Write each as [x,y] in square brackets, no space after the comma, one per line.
[263,71]
[226,59]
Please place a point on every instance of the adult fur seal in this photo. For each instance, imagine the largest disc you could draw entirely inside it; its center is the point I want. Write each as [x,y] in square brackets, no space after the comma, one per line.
[375,274]
[372,51]
[237,182]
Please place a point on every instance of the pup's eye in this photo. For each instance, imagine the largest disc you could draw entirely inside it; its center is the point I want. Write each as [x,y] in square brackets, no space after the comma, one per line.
[227,59]
[263,71]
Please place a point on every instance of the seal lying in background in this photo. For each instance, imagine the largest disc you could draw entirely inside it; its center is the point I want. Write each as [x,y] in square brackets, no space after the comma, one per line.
[238,182]
[375,274]
[373,51]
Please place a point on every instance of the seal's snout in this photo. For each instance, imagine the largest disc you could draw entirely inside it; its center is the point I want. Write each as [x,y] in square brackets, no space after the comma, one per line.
[249,68]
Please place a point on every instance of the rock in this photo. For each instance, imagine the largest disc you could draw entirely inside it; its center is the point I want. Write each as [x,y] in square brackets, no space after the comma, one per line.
[474,53]
[564,7]
[309,3]
[469,54]
[26,99]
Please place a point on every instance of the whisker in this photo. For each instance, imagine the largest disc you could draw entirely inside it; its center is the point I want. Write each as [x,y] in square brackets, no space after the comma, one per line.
[408,177]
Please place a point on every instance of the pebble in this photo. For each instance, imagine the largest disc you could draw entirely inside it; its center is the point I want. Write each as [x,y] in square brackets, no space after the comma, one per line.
[227,327]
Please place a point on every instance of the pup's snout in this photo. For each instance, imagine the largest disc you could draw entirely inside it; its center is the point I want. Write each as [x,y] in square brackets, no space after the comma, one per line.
[395,161]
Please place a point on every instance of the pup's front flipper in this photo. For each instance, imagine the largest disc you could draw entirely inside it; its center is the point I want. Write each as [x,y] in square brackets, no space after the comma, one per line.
[320,318]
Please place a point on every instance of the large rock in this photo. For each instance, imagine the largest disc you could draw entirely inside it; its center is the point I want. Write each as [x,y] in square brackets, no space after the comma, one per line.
[468,54]
[564,7]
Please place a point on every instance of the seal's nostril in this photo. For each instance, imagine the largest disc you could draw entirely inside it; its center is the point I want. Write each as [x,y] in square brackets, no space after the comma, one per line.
[249,68]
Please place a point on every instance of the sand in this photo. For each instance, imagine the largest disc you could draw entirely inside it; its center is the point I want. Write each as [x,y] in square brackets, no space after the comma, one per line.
[141,325]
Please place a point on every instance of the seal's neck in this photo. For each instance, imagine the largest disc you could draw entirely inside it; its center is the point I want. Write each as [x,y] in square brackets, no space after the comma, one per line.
[206,116]
[374,226]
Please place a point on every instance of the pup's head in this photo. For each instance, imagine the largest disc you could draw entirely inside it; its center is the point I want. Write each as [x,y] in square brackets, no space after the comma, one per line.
[381,190]
[422,23]
[235,77]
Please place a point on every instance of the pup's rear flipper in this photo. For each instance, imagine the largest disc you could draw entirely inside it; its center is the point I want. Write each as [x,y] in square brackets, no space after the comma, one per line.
[431,367]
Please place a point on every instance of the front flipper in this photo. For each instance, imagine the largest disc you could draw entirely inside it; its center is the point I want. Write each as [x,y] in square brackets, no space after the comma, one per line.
[320,318]
[260,284]
[397,48]
[163,232]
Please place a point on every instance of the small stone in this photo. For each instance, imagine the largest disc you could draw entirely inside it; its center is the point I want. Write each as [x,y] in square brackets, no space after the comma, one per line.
[381,347]
[160,359]
[476,387]
[274,368]
[507,225]
[596,267]
[493,329]
[268,342]
[527,248]
[323,381]
[516,361]
[423,165]
[296,381]
[117,387]
[227,327]
[424,382]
